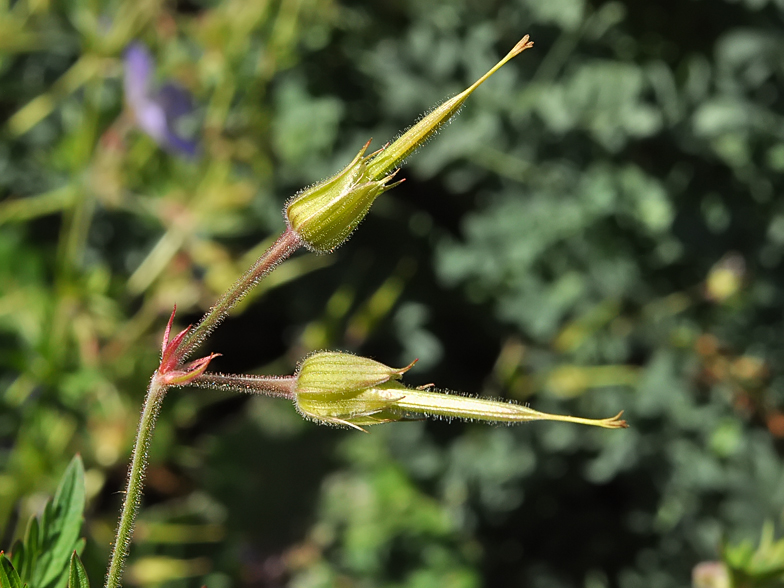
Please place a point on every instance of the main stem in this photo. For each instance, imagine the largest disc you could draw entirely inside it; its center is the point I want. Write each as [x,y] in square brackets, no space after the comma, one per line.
[286,244]
[133,492]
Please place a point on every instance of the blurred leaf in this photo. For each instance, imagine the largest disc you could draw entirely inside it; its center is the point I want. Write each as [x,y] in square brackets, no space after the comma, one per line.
[27,558]
[566,13]
[77,576]
[8,576]
[60,528]
[603,98]
[757,568]
[155,570]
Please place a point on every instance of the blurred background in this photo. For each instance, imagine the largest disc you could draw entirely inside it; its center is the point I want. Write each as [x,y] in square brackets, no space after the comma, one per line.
[601,229]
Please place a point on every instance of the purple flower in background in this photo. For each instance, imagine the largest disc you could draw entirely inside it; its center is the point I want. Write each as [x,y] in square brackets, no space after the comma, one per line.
[155,110]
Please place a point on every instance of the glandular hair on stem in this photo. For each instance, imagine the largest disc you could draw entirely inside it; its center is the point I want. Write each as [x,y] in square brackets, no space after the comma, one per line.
[275,386]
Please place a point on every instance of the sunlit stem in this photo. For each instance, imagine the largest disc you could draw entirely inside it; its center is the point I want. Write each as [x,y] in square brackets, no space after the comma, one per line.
[133,492]
[276,386]
[286,244]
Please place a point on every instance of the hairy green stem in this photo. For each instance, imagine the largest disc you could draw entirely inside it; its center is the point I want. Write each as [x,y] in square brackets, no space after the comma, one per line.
[275,386]
[133,491]
[286,244]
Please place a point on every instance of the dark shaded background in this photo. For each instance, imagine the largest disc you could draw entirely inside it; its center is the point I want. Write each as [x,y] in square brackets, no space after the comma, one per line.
[600,229]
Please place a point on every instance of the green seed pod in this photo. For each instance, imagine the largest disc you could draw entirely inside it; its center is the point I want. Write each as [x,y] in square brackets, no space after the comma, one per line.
[393,155]
[345,389]
[334,372]
[325,215]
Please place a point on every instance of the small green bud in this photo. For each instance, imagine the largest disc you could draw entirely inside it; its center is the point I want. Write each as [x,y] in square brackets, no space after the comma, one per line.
[324,215]
[343,389]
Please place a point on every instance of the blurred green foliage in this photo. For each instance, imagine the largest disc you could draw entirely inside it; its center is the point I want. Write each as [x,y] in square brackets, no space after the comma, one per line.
[600,229]
[47,556]
[760,566]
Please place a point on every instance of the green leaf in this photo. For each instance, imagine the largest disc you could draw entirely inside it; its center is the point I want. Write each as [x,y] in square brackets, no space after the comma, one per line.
[78,576]
[60,528]
[31,552]
[8,576]
[18,556]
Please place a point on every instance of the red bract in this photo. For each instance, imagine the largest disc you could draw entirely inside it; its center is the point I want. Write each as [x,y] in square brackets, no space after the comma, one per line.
[171,371]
